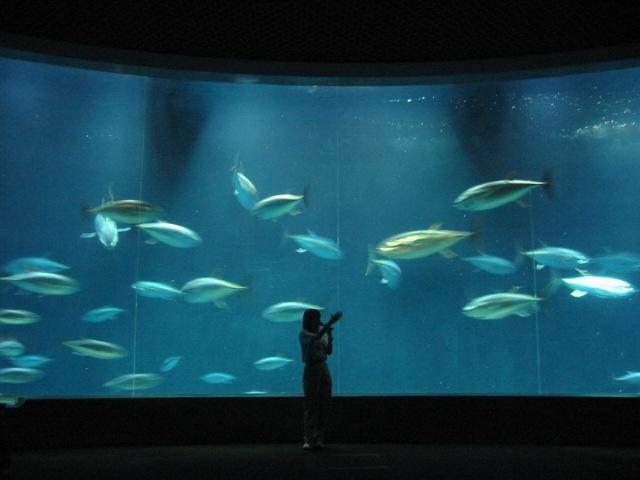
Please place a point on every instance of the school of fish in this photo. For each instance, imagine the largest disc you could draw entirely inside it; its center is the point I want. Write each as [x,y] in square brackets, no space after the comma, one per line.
[581,274]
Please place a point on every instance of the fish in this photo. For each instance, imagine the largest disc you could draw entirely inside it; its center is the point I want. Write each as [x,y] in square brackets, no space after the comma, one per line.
[492,264]
[420,243]
[217,377]
[170,363]
[557,257]
[18,317]
[487,196]
[96,349]
[11,348]
[102,314]
[30,361]
[33,264]
[171,234]
[271,363]
[389,270]
[44,283]
[156,290]
[243,189]
[500,305]
[20,375]
[288,311]
[620,262]
[128,211]
[319,246]
[276,206]
[135,381]
[107,231]
[602,287]
[629,377]
[210,289]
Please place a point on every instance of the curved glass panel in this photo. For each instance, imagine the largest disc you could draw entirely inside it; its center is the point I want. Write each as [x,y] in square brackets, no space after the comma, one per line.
[162,236]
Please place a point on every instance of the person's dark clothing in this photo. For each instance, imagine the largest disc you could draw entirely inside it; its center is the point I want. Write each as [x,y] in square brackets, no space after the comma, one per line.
[317,386]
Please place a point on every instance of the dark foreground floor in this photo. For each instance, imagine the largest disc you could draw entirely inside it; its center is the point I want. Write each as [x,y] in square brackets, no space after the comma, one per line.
[249,462]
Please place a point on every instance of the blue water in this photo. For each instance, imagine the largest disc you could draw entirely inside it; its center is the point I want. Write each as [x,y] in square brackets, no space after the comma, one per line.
[378,160]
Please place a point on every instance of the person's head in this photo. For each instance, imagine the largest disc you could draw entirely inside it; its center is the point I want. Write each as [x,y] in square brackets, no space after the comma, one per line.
[311,320]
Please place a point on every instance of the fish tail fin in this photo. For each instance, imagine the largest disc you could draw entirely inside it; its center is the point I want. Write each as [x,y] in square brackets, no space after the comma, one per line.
[110,191]
[305,195]
[248,292]
[553,284]
[370,264]
[237,164]
[477,234]
[285,237]
[546,308]
[547,178]
[85,211]
[519,258]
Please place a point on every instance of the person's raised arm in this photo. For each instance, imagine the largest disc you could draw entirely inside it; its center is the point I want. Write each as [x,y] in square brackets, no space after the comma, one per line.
[328,326]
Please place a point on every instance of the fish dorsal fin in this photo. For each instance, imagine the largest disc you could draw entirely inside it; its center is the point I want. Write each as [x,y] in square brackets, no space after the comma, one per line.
[217,273]
[311,232]
[510,175]
[515,289]
[110,192]
[435,226]
[582,272]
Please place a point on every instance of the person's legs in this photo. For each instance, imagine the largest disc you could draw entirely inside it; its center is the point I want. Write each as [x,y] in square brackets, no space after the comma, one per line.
[311,386]
[324,404]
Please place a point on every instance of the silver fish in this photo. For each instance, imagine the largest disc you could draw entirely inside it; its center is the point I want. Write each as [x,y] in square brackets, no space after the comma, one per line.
[217,377]
[271,363]
[278,205]
[389,270]
[20,375]
[557,257]
[11,348]
[128,211]
[492,264]
[602,287]
[29,361]
[319,246]
[209,289]
[171,234]
[156,290]
[288,311]
[102,314]
[44,283]
[501,305]
[420,243]
[33,264]
[107,231]
[495,194]
[18,317]
[619,262]
[629,377]
[243,189]
[135,381]
[170,363]
[96,349]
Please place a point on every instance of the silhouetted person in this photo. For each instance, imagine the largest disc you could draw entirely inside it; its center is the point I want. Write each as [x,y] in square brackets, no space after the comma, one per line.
[317,345]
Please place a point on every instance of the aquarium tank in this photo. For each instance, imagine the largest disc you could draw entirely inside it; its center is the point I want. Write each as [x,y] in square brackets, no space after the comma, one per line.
[162,235]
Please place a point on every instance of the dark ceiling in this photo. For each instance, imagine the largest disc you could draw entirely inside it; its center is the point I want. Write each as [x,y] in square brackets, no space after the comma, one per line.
[320,31]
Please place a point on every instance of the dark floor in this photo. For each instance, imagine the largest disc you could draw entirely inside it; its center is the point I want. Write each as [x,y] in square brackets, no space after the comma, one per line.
[250,462]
